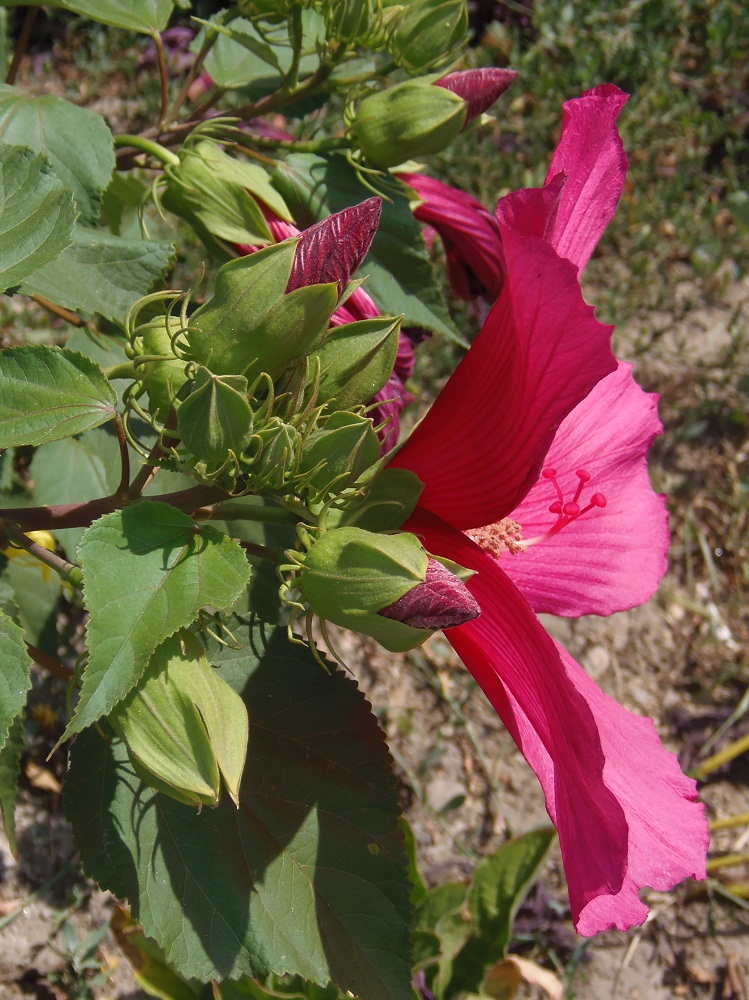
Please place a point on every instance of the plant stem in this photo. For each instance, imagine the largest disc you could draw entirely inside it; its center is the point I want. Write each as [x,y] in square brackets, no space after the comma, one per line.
[122,490]
[296,39]
[164,78]
[312,146]
[262,551]
[49,663]
[236,510]
[68,571]
[23,41]
[147,145]
[191,77]
[81,515]
[66,314]
[127,369]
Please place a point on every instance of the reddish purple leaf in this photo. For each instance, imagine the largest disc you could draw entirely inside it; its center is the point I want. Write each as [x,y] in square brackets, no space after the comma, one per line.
[441,601]
[333,249]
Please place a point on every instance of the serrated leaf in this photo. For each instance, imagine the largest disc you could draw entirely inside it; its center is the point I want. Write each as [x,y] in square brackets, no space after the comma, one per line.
[136,15]
[148,570]
[399,273]
[49,393]
[10,760]
[15,680]
[37,214]
[101,272]
[76,141]
[34,601]
[307,876]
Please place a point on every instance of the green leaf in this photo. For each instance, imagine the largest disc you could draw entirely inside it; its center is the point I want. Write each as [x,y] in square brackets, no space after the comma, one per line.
[37,214]
[101,272]
[400,275]
[15,680]
[307,876]
[75,470]
[240,57]
[148,570]
[500,884]
[76,141]
[10,761]
[136,15]
[50,393]
[35,597]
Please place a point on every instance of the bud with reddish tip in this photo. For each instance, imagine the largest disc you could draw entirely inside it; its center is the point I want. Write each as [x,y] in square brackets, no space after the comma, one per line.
[333,249]
[441,601]
[479,88]
[362,580]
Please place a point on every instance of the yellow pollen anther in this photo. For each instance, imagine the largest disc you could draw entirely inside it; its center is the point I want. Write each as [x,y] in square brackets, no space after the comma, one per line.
[504,536]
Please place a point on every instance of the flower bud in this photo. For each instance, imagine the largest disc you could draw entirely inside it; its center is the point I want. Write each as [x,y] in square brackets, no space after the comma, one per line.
[364,581]
[427,34]
[273,454]
[333,248]
[184,728]
[441,601]
[479,88]
[215,420]
[348,21]
[336,455]
[409,120]
[162,379]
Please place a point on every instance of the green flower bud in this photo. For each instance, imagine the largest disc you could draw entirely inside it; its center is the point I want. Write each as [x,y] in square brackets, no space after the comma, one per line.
[162,379]
[407,121]
[337,454]
[349,575]
[428,34]
[251,325]
[272,456]
[184,728]
[348,20]
[215,420]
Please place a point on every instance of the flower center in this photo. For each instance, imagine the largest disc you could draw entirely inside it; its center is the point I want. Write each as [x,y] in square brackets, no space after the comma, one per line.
[507,535]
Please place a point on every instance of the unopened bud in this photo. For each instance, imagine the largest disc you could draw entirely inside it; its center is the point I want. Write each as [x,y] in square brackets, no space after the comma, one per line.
[479,88]
[363,581]
[162,379]
[404,122]
[348,21]
[441,601]
[427,33]
[184,728]
[335,456]
[333,249]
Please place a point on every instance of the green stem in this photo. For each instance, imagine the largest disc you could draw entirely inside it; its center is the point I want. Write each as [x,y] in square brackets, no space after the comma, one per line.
[68,571]
[161,153]
[23,41]
[296,38]
[312,146]
[163,77]
[121,492]
[127,369]
[208,43]
[235,510]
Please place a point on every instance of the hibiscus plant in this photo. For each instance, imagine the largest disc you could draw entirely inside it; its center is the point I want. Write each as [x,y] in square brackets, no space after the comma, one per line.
[204,463]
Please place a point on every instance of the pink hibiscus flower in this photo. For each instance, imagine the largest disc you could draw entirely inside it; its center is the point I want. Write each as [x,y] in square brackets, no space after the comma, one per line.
[533,460]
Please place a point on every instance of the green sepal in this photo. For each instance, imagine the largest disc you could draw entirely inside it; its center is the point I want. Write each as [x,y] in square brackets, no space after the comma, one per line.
[337,455]
[183,726]
[356,361]
[215,419]
[273,453]
[219,193]
[407,121]
[350,574]
[388,502]
[251,325]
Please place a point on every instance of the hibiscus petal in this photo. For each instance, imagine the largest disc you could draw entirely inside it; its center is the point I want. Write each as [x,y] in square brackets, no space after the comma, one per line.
[519,669]
[626,815]
[540,352]
[591,154]
[668,829]
[584,182]
[611,558]
[470,234]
